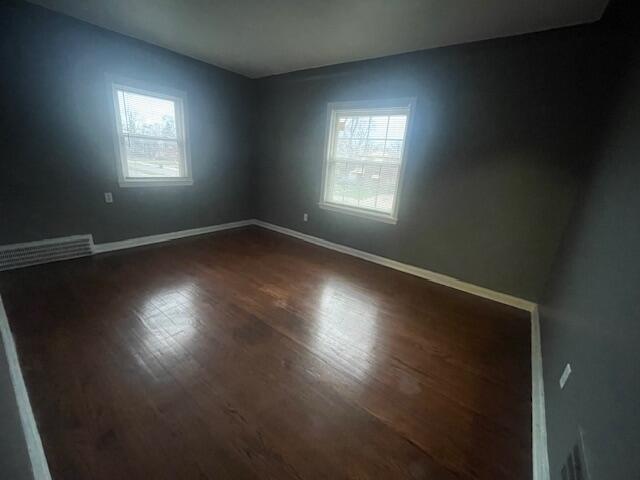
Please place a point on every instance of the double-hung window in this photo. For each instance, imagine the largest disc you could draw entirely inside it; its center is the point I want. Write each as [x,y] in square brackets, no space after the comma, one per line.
[152,146]
[365,158]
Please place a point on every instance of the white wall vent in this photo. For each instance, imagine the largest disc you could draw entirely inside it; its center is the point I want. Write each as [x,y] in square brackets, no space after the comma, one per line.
[24,254]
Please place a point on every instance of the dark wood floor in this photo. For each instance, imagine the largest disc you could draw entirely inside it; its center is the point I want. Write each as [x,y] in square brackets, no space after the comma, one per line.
[247,354]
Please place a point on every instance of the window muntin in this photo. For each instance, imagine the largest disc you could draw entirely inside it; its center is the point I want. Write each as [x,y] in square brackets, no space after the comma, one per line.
[151,138]
[365,160]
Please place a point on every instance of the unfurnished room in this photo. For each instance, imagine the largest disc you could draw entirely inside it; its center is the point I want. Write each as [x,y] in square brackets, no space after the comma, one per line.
[319,239]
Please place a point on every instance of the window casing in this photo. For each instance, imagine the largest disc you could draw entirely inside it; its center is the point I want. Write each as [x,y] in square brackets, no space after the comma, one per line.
[364,162]
[151,137]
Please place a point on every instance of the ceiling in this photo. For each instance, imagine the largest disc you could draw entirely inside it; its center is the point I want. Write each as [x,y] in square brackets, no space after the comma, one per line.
[264,37]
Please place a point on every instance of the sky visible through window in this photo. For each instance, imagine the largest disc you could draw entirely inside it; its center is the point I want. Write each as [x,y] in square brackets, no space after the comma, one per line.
[365,159]
[148,125]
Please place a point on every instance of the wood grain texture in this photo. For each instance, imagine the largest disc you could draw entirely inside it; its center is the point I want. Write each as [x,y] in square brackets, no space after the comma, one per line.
[248,354]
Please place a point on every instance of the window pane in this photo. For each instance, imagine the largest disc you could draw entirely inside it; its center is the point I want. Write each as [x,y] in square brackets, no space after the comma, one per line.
[375,148]
[351,184]
[343,148]
[338,176]
[369,187]
[152,158]
[363,172]
[378,127]
[397,126]
[145,115]
[344,127]
[358,147]
[393,149]
[361,127]
[389,176]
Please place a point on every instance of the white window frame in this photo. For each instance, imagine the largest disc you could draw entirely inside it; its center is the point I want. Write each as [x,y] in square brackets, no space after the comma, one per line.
[373,107]
[180,100]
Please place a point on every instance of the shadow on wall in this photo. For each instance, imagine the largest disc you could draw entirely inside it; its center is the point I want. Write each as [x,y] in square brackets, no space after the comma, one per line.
[502,134]
[590,310]
[57,140]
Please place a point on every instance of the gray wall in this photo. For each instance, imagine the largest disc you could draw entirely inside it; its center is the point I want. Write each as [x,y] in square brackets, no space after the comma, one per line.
[502,133]
[56,133]
[591,313]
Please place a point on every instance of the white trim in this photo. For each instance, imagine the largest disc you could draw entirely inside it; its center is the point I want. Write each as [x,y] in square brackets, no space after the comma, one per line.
[538,417]
[403,267]
[366,107]
[39,466]
[165,237]
[410,269]
[358,212]
[540,454]
[156,182]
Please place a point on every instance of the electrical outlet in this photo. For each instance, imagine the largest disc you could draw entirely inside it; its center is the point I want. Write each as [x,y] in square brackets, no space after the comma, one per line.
[108,197]
[305,217]
[565,375]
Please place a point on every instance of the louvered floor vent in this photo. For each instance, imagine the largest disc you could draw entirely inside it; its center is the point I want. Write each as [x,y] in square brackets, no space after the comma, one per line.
[44,251]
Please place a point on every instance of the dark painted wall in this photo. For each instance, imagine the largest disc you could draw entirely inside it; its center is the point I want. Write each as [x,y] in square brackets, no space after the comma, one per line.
[591,311]
[57,154]
[502,132]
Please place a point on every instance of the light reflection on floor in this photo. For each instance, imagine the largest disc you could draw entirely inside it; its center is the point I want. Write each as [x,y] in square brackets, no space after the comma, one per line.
[169,316]
[346,327]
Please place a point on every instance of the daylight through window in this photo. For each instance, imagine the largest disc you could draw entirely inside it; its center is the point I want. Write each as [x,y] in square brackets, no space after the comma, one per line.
[364,160]
[151,138]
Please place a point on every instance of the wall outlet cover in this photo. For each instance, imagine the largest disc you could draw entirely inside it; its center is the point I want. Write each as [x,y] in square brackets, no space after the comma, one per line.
[565,375]
[108,197]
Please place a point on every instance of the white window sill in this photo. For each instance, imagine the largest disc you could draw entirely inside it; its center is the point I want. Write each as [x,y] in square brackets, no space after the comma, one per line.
[358,212]
[156,182]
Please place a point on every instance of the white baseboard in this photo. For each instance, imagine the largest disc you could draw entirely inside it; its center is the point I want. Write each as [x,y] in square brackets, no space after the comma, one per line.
[165,237]
[411,269]
[540,452]
[387,262]
[538,418]
[39,466]
[539,431]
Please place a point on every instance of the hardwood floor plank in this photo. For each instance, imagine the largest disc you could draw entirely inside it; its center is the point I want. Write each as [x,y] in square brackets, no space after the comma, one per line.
[248,354]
